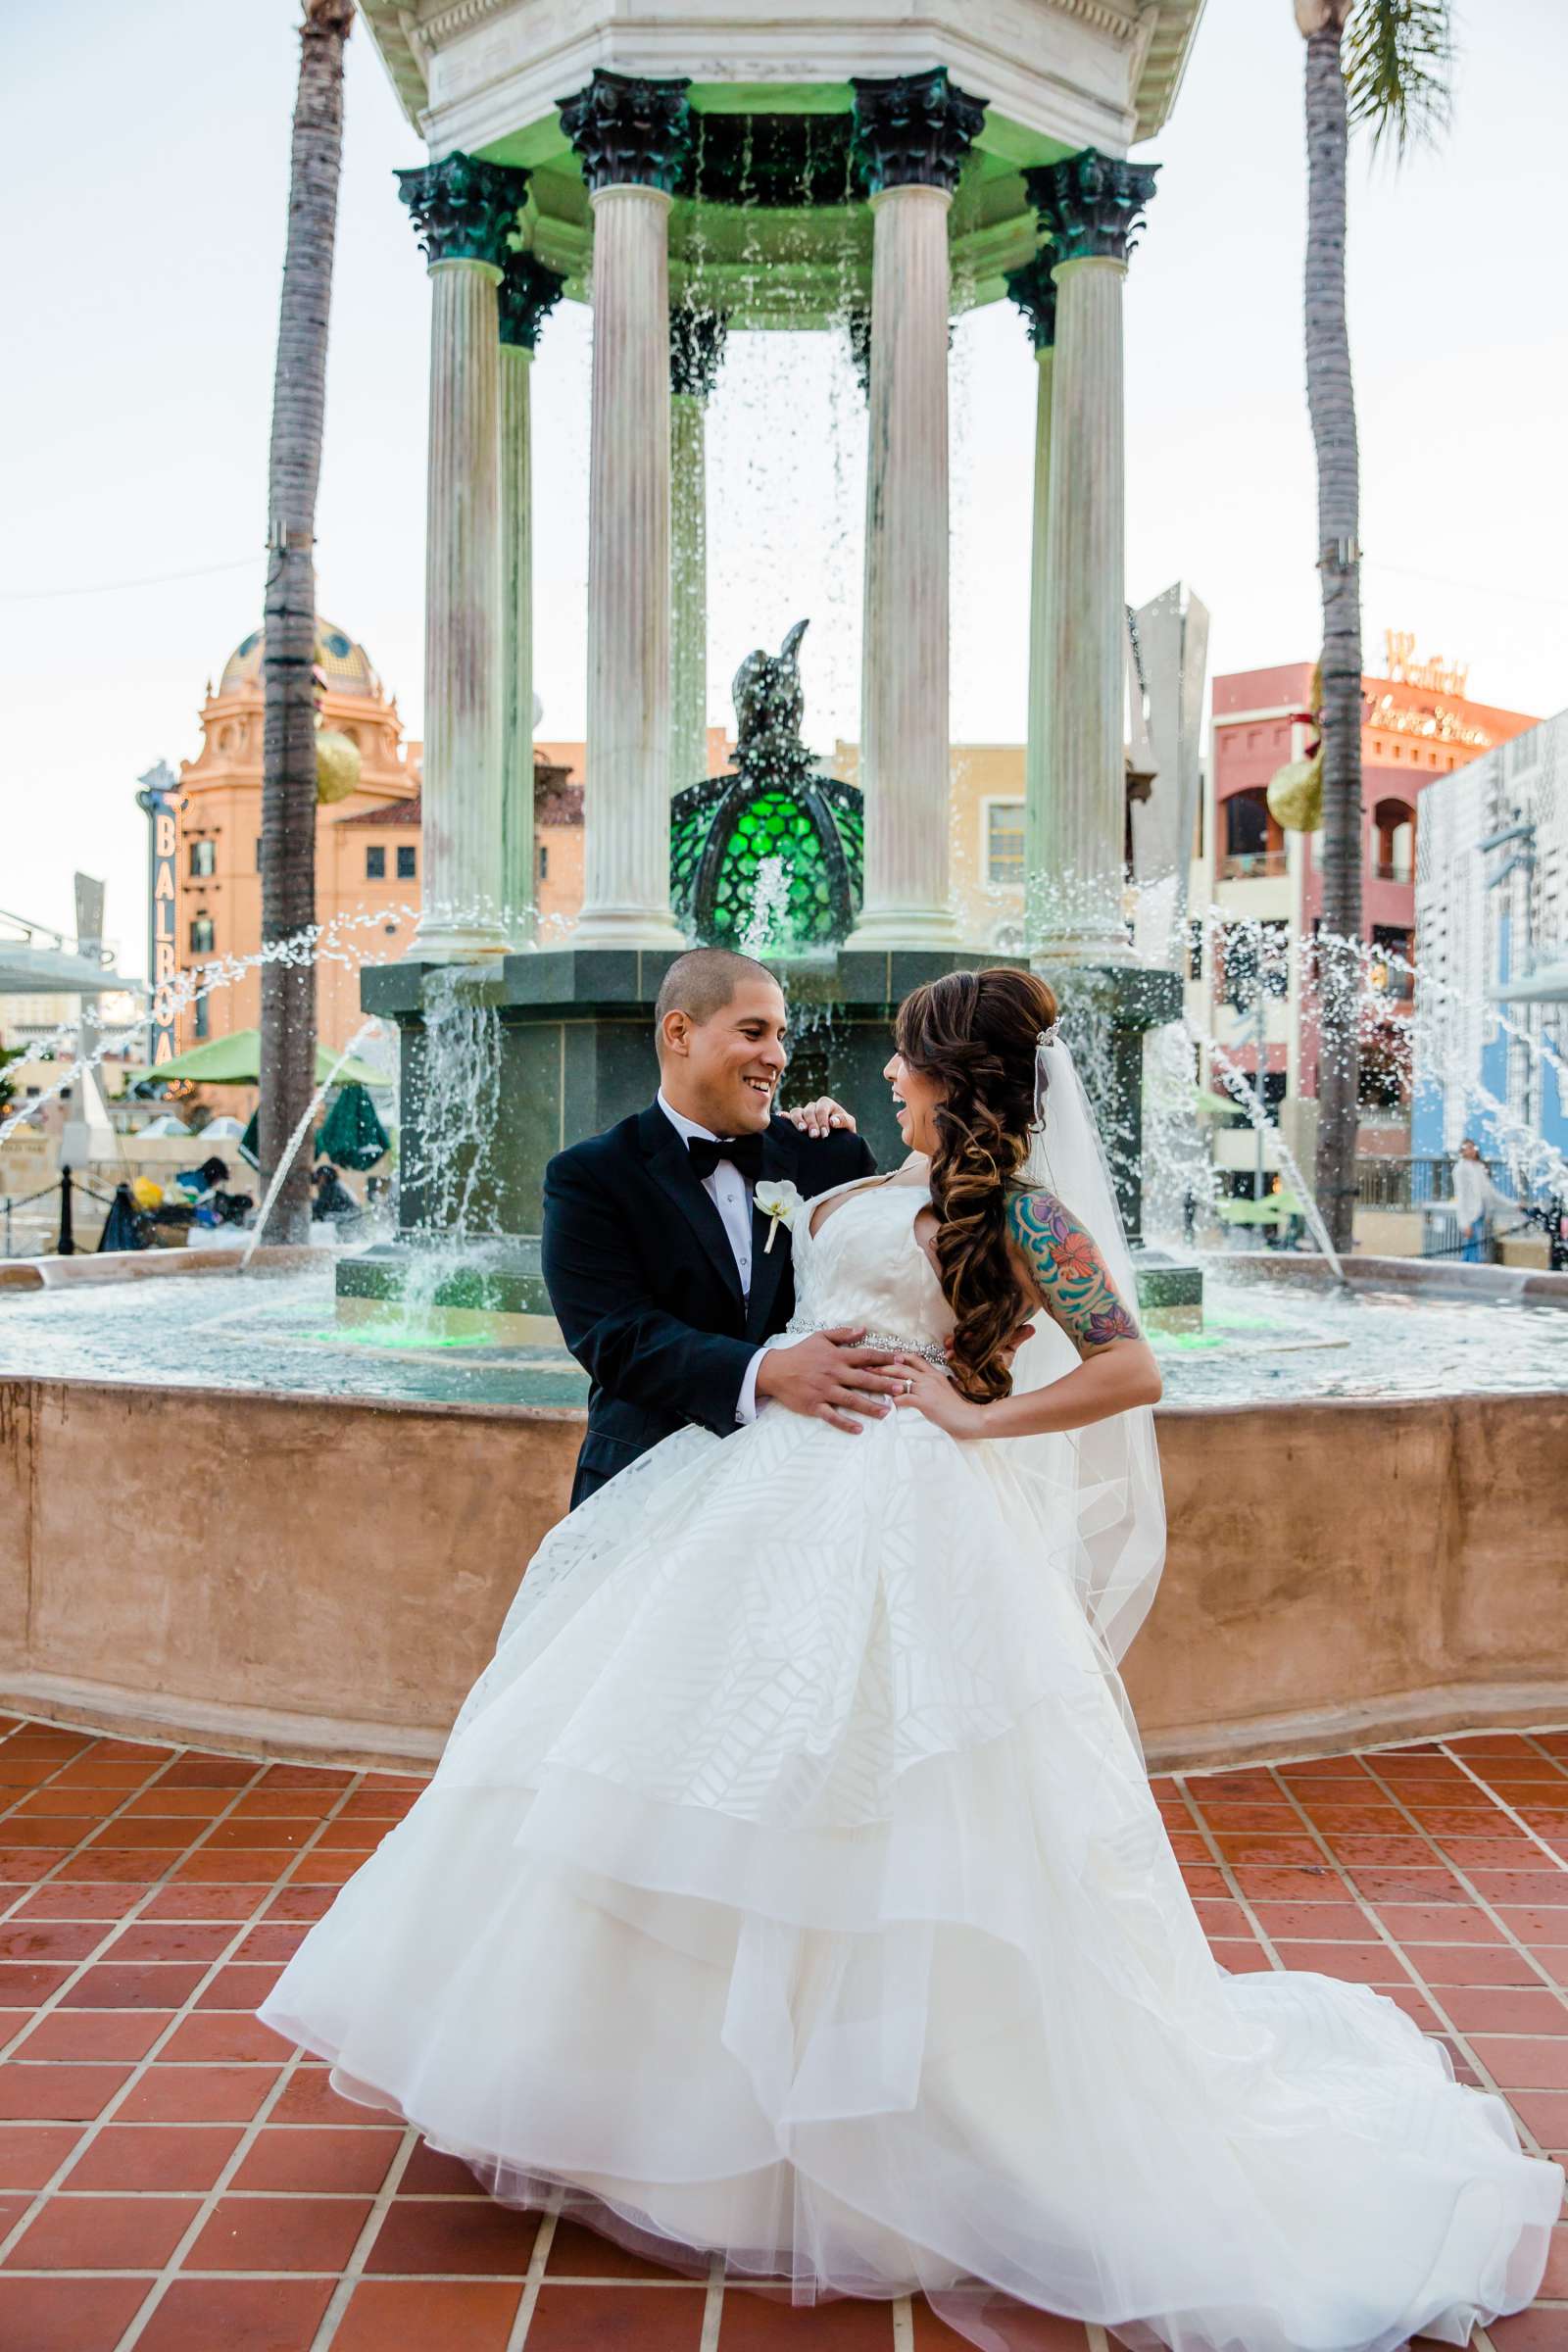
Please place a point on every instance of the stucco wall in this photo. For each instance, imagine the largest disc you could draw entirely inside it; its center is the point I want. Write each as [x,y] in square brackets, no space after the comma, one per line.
[326,1577]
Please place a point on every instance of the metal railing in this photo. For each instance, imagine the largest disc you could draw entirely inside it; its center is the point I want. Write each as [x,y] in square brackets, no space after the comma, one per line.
[1246,865]
[1417,1182]
[67,1186]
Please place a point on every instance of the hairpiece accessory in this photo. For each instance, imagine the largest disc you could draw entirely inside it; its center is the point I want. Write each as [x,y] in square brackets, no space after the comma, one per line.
[1045,1038]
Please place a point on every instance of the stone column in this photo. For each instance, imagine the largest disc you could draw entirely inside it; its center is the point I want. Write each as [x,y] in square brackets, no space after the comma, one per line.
[1034,291]
[1091,205]
[528,293]
[697,340]
[631,137]
[464,210]
[913,133]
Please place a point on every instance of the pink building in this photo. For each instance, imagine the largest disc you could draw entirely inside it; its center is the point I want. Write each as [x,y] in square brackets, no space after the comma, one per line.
[1418,723]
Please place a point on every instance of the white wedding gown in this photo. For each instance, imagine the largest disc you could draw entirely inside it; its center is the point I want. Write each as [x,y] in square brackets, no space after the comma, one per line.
[791,1886]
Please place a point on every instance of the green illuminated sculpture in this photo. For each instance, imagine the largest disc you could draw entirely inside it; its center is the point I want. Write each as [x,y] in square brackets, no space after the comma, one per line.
[769,857]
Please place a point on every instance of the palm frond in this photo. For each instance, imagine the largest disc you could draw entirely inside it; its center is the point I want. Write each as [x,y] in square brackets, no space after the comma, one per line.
[1398,60]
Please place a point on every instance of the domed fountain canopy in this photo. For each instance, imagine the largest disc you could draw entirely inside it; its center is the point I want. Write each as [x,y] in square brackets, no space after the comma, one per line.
[342,660]
[770,222]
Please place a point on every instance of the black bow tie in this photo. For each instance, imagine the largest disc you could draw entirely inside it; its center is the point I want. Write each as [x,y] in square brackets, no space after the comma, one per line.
[743,1151]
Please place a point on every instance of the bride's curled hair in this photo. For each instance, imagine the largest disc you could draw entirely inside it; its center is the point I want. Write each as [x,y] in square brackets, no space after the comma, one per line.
[977,1034]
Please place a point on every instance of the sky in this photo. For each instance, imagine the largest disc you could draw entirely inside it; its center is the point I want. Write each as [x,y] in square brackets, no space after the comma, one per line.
[142,293]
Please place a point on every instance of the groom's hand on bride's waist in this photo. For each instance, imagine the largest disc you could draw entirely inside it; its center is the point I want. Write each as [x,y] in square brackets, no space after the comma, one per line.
[830,1377]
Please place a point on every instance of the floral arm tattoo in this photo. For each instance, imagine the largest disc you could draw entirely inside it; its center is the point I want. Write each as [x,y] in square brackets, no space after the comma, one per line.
[1071,1273]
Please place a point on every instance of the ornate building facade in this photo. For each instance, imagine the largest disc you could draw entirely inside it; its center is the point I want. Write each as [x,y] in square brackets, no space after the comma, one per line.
[367,844]
[370,855]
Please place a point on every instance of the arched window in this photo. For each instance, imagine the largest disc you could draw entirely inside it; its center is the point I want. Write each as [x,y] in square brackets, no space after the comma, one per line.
[1393,830]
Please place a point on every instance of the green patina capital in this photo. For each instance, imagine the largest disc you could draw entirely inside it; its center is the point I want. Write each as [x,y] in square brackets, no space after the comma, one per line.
[1092,204]
[527,294]
[629,130]
[913,130]
[463,209]
[1034,290]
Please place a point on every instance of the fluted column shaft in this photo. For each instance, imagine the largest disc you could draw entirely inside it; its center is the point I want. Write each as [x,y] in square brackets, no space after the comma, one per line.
[1036,755]
[1078,809]
[626,840]
[517,894]
[904,702]
[461,793]
[688,590]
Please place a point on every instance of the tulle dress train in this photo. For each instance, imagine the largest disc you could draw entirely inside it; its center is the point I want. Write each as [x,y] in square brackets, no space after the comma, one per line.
[791,1887]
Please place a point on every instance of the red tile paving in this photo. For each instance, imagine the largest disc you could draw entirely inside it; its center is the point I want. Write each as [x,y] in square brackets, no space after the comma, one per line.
[172,2178]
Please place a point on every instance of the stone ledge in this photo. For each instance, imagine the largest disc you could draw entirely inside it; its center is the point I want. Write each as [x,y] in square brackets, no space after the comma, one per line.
[54,1273]
[1519,1284]
[1394,1571]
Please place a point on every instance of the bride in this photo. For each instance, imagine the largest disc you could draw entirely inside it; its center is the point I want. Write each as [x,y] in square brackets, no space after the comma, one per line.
[791,1886]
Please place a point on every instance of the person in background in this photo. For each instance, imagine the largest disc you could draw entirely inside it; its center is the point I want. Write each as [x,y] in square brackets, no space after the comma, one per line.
[332,1197]
[1474,1196]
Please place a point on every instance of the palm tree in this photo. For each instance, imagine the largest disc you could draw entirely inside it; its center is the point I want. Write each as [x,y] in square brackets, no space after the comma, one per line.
[1384,64]
[288,754]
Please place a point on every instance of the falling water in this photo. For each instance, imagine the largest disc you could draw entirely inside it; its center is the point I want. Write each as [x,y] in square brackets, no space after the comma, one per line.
[291,1148]
[449,1181]
[317,944]
[766,931]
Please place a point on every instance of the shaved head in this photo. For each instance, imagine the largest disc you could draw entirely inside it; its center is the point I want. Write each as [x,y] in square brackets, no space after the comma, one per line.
[722,1025]
[701,983]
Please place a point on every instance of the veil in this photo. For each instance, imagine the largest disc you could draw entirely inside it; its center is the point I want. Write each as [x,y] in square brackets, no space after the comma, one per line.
[1105,1478]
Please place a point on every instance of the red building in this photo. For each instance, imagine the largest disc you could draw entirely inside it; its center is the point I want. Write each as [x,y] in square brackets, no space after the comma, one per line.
[1418,722]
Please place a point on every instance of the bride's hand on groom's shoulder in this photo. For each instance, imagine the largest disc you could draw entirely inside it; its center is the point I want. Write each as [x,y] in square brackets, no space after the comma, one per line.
[824,1117]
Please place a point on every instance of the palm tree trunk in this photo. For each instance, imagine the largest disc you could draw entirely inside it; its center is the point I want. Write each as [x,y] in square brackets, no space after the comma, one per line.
[288,755]
[1331,398]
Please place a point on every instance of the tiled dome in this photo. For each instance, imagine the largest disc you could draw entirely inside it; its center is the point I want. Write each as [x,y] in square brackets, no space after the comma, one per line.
[345,664]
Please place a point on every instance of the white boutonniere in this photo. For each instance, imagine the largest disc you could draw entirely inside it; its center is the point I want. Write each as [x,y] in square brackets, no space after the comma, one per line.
[781,1204]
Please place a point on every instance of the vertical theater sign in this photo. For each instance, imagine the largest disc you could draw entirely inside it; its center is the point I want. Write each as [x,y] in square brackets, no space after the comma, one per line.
[158,801]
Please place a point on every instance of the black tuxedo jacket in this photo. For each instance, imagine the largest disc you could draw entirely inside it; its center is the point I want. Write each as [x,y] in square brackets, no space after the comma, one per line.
[644,1286]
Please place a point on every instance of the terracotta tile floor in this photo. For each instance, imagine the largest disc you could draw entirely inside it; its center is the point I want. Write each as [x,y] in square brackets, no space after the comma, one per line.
[172,2177]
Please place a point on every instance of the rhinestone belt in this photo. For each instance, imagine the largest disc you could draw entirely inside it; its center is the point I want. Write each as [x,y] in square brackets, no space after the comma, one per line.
[934,1354]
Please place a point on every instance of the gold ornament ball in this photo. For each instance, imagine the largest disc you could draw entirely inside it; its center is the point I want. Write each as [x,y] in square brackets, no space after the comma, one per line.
[1295,795]
[337,766]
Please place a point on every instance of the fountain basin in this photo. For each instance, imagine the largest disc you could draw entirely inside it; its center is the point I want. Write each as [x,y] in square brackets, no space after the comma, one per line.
[235,1524]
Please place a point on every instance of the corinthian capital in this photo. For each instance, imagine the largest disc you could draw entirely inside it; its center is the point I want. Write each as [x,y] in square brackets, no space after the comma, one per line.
[527,294]
[1090,204]
[629,131]
[463,209]
[914,129]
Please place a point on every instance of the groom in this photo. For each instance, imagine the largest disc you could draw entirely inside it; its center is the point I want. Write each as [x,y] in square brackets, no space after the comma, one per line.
[654,1251]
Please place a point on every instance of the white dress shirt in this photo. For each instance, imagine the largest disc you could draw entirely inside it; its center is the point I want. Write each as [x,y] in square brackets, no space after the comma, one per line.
[731,1196]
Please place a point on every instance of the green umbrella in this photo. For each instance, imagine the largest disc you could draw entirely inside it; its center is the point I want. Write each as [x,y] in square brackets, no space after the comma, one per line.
[236,1060]
[1267,1211]
[353,1136]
